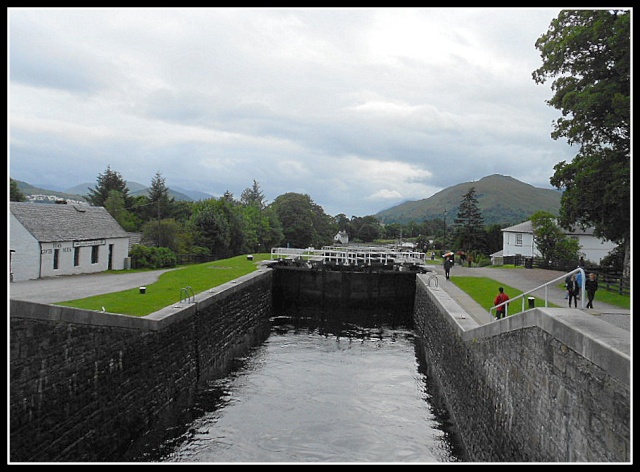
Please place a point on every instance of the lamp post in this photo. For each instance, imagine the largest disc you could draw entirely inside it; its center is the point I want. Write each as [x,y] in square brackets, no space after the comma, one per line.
[444,233]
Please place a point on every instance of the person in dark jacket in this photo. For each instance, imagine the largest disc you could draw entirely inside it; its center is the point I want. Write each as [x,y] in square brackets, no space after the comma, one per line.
[447,266]
[590,286]
[573,288]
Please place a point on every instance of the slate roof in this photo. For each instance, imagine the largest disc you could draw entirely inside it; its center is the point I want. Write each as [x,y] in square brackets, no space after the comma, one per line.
[50,222]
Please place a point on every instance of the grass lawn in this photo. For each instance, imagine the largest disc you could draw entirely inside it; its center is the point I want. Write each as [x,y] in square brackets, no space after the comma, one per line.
[484,290]
[166,291]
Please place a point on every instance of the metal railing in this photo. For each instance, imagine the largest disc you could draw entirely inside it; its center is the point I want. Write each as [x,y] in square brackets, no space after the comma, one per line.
[187,295]
[349,255]
[579,270]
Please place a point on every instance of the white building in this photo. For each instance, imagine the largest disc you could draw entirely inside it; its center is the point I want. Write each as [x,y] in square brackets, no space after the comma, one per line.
[518,240]
[55,239]
[342,237]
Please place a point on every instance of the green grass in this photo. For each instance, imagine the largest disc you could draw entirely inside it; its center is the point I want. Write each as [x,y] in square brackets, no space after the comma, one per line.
[166,291]
[612,298]
[484,290]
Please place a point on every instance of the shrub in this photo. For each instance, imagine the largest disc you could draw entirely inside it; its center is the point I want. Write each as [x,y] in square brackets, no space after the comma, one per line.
[148,257]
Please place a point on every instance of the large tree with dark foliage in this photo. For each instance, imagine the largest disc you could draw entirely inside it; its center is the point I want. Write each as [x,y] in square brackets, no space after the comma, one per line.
[469,224]
[587,53]
[106,183]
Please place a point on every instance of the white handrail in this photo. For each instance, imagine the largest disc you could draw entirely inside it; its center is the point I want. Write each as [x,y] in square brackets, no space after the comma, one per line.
[546,291]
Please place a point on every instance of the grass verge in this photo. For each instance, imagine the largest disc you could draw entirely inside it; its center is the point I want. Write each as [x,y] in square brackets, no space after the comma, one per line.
[166,290]
[484,290]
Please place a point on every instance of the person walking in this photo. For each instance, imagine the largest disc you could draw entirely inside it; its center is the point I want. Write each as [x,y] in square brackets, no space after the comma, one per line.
[501,311]
[447,267]
[579,282]
[591,285]
[573,289]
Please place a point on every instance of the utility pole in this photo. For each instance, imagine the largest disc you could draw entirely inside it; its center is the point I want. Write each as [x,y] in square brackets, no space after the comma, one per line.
[444,233]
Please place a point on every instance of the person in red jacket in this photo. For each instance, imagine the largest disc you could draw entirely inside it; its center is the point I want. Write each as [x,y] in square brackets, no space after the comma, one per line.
[501,297]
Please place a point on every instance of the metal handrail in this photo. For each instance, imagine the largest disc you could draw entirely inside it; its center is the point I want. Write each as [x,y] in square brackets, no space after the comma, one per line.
[434,278]
[546,292]
[189,296]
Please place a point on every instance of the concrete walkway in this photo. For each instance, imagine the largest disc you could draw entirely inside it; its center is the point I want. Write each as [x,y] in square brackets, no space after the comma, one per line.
[523,279]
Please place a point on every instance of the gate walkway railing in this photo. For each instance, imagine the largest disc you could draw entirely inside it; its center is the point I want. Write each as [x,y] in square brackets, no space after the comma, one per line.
[350,255]
[579,270]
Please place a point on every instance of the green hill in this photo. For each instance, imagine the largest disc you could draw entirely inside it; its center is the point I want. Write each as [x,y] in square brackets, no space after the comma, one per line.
[502,200]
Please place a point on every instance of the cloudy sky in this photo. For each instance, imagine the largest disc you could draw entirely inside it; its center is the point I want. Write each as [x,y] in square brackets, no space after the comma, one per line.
[361,109]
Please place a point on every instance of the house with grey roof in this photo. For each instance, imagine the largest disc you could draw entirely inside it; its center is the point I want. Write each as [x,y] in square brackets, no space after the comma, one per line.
[48,240]
[519,240]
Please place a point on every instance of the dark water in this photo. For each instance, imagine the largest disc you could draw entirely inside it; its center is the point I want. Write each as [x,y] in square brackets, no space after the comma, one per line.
[309,395]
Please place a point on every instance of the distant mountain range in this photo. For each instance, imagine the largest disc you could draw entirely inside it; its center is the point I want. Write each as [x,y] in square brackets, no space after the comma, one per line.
[502,200]
[78,192]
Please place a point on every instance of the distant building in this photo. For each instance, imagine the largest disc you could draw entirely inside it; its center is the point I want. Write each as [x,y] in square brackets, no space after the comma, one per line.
[48,240]
[342,237]
[518,240]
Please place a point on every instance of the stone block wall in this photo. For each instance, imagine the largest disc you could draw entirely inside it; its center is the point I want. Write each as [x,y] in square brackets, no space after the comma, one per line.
[84,386]
[541,386]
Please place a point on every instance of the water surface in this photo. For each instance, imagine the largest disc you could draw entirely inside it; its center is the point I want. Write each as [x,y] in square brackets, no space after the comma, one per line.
[307,395]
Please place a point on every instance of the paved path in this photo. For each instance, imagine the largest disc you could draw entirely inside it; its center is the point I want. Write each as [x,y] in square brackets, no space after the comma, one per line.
[524,279]
[72,287]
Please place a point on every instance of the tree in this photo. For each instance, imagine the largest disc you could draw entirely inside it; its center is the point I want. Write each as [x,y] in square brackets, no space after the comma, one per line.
[219,226]
[365,228]
[556,248]
[262,229]
[115,205]
[253,196]
[107,182]
[160,204]
[588,54]
[15,194]
[469,224]
[304,223]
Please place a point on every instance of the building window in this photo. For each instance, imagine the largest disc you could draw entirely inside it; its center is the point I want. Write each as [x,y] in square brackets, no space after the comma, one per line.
[76,256]
[94,254]
[56,258]
[518,239]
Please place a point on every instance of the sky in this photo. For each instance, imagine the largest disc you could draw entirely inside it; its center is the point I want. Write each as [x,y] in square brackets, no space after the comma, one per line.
[359,108]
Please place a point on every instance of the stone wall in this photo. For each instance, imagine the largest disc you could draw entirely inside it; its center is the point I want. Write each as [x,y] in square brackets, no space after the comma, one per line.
[84,385]
[548,385]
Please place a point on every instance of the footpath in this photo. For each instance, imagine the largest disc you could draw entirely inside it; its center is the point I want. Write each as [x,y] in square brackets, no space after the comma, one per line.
[523,279]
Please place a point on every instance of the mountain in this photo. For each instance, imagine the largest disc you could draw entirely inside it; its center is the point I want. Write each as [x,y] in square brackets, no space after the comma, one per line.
[48,196]
[502,200]
[136,188]
[78,192]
